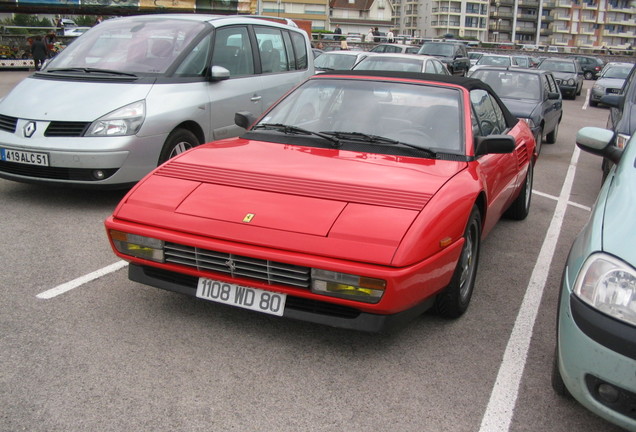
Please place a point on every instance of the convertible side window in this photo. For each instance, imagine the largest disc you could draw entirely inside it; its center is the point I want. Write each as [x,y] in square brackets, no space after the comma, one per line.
[490,118]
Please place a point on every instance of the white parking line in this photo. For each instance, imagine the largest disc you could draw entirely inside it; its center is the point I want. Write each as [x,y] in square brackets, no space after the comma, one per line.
[552,197]
[503,397]
[587,100]
[61,289]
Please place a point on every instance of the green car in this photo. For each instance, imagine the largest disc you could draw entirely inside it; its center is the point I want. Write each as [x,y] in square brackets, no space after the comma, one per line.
[595,359]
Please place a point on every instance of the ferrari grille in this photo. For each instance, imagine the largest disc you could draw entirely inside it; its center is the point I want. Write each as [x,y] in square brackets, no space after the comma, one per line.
[271,272]
[8,123]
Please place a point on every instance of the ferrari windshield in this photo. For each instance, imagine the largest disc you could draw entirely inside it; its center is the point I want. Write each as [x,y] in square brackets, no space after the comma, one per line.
[425,116]
[140,46]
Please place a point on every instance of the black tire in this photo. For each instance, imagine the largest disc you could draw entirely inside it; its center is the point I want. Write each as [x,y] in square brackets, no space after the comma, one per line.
[556,379]
[593,103]
[552,136]
[539,139]
[588,75]
[520,207]
[177,142]
[454,300]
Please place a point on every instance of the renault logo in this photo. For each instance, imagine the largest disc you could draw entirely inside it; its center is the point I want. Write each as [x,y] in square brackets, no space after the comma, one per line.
[29,129]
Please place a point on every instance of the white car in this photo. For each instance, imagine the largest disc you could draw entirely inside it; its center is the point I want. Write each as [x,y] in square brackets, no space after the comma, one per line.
[75,31]
[494,60]
[403,63]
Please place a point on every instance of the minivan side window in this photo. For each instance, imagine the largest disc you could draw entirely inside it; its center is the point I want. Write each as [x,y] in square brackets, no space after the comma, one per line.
[272,49]
[233,51]
[300,50]
[196,61]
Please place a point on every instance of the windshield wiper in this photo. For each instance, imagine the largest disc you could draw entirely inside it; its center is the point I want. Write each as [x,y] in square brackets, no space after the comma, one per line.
[376,139]
[288,129]
[92,70]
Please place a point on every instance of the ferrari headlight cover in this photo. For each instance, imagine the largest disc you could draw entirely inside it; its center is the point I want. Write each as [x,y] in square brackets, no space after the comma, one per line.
[138,246]
[347,286]
[528,121]
[126,120]
[608,285]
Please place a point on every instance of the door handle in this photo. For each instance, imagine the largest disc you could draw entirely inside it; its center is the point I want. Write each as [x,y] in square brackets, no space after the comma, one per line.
[256,98]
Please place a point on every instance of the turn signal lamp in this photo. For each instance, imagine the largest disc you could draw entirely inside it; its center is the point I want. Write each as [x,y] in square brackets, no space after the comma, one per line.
[347,286]
[138,246]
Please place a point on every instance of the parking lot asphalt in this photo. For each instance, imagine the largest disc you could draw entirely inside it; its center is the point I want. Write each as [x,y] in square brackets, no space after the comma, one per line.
[112,355]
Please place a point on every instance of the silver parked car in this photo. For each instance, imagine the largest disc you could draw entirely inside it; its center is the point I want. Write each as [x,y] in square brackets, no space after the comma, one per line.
[132,92]
[611,81]
[403,63]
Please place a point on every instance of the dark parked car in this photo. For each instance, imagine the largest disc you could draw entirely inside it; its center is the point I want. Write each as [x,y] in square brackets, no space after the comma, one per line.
[567,72]
[531,95]
[622,117]
[395,48]
[592,66]
[454,55]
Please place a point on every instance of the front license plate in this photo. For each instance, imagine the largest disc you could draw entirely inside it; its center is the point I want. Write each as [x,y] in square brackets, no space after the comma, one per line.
[240,296]
[24,157]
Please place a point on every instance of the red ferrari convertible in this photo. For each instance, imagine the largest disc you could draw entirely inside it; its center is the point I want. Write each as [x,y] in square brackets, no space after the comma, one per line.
[359,200]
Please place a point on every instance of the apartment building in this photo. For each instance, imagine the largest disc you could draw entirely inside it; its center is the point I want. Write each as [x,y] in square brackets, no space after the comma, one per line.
[594,24]
[564,23]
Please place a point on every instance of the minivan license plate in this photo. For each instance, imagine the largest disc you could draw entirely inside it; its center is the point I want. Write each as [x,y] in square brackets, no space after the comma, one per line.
[236,295]
[24,157]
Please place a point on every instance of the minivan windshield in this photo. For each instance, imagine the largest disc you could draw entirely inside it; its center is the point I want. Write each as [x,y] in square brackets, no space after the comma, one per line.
[128,46]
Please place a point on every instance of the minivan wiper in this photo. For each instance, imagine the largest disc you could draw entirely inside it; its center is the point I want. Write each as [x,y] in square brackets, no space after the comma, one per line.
[288,129]
[376,139]
[92,70]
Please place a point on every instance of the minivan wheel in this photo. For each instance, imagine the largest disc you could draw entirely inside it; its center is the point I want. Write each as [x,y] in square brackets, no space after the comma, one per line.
[177,142]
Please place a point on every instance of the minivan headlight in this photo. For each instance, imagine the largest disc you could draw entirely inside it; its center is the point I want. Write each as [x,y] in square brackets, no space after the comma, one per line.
[608,285]
[126,120]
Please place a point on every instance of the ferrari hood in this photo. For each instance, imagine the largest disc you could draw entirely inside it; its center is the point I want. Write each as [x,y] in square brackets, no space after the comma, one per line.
[349,204]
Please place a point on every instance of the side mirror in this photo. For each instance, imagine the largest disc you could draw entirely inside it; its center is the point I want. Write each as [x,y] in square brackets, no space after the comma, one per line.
[553,96]
[219,73]
[598,141]
[494,144]
[613,100]
[244,119]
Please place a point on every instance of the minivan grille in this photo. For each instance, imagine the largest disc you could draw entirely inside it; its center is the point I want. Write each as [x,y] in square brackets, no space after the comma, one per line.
[271,272]
[66,129]
[8,123]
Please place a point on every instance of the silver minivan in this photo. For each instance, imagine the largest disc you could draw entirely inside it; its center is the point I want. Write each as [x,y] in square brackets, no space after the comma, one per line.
[133,92]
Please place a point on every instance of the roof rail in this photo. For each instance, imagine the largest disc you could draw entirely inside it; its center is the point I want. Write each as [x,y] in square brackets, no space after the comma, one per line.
[281,20]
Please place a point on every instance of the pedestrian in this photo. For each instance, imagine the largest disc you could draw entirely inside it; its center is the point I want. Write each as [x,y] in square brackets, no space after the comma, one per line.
[98,20]
[390,36]
[369,37]
[338,32]
[39,52]
[376,35]
[60,26]
[343,45]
